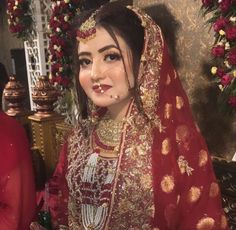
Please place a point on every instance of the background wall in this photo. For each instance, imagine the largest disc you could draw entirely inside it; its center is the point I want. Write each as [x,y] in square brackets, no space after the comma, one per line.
[190,39]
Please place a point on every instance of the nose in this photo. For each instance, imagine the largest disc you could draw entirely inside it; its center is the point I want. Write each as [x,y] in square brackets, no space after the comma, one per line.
[96,71]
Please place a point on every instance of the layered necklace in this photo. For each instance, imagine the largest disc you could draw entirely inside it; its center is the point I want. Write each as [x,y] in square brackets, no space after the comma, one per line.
[99,173]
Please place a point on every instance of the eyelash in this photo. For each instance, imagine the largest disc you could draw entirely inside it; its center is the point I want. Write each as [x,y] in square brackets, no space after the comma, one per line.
[84,62]
[113,56]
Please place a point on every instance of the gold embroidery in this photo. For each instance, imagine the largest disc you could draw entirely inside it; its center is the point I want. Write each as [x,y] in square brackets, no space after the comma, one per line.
[197,127]
[167,184]
[168,80]
[179,102]
[168,111]
[146,181]
[178,199]
[223,222]
[205,223]
[193,194]
[203,158]
[183,166]
[182,133]
[175,75]
[166,146]
[151,211]
[214,190]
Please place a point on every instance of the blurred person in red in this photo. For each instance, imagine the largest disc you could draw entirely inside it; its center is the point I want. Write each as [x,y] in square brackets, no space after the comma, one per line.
[17,188]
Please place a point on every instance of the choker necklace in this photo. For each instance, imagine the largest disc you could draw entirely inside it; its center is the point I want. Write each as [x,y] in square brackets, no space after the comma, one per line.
[109,132]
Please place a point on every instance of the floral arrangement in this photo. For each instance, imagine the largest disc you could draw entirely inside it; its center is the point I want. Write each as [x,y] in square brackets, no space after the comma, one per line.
[61,34]
[223,22]
[19,18]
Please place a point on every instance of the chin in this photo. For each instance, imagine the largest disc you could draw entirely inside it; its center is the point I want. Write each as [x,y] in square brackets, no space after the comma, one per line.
[102,102]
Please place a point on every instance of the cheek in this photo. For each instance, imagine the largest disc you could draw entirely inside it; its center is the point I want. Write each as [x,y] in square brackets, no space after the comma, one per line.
[84,81]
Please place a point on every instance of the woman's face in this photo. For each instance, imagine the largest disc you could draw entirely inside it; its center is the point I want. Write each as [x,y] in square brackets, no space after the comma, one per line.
[102,73]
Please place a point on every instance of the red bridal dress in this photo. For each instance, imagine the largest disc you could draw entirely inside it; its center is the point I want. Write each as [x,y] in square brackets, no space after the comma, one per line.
[160,175]
[17,189]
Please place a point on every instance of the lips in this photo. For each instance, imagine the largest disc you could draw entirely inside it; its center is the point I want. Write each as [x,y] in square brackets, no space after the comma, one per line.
[101,88]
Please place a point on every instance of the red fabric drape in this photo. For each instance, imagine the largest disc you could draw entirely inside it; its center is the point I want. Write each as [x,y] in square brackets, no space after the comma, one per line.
[17,189]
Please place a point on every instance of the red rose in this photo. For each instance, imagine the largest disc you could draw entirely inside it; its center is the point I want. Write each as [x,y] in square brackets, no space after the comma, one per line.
[231,33]
[207,3]
[65,82]
[218,51]
[226,80]
[220,23]
[232,57]
[220,72]
[224,5]
[232,101]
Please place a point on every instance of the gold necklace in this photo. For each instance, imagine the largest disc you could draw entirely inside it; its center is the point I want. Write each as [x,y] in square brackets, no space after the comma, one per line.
[109,131]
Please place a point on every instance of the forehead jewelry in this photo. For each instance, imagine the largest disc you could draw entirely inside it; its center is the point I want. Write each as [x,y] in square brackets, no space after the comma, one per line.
[87,30]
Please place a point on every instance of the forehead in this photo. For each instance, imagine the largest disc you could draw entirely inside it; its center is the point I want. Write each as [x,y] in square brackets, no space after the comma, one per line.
[102,38]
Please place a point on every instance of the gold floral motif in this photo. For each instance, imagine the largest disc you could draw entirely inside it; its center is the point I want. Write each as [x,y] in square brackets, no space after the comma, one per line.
[182,133]
[166,146]
[223,222]
[146,181]
[168,111]
[203,158]
[193,194]
[125,206]
[179,102]
[151,210]
[197,127]
[149,96]
[183,166]
[168,80]
[167,184]
[205,223]
[214,190]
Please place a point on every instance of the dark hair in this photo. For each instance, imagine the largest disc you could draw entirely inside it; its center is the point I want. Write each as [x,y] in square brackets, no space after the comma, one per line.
[115,19]
[3,81]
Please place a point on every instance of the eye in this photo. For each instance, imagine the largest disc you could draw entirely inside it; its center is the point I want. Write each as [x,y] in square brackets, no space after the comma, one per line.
[112,57]
[84,62]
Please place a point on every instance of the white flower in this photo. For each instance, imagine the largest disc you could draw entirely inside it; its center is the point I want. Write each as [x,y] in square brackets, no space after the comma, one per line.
[58,29]
[227,64]
[232,19]
[227,46]
[66,18]
[234,73]
[16,3]
[221,87]
[213,70]
[222,32]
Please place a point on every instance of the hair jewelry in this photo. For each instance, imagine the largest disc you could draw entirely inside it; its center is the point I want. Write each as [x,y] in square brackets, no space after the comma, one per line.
[87,30]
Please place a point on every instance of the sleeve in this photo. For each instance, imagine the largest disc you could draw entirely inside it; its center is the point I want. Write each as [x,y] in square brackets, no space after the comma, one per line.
[187,195]
[17,189]
[57,198]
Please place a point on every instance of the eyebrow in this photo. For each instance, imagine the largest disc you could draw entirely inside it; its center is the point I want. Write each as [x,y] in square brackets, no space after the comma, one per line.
[100,50]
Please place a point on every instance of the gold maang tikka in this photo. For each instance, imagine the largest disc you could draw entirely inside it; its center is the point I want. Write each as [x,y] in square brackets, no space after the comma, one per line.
[87,30]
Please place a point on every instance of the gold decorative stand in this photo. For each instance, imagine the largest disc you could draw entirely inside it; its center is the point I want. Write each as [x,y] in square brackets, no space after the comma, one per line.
[44,139]
[43,123]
